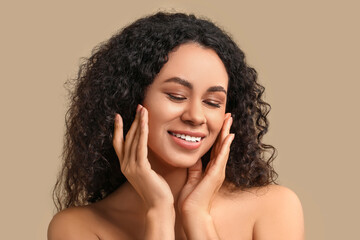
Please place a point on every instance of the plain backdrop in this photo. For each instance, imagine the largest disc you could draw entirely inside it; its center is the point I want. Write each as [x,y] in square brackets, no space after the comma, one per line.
[306,54]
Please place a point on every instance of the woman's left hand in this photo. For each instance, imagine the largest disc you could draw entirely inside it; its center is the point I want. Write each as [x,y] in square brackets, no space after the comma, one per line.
[195,199]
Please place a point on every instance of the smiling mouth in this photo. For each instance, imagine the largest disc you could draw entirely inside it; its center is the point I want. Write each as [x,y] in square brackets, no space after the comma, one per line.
[187,138]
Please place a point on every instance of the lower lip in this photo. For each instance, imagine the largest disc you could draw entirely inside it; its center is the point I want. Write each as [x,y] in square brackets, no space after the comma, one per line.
[185,144]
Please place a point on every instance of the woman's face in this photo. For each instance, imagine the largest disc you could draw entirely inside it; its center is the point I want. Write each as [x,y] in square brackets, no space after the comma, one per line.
[186,105]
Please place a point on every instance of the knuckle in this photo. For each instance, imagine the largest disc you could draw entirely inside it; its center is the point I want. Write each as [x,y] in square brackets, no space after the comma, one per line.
[142,166]
[127,171]
[130,171]
[213,175]
[123,169]
[217,174]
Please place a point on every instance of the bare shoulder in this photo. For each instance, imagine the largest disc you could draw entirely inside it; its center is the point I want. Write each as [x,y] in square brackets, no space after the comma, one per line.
[275,195]
[266,195]
[279,214]
[269,212]
[73,223]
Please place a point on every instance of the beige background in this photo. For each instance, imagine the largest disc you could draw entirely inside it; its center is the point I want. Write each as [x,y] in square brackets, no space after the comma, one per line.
[306,53]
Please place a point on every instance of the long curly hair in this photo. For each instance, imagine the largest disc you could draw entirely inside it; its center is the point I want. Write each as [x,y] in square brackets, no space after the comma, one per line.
[114,80]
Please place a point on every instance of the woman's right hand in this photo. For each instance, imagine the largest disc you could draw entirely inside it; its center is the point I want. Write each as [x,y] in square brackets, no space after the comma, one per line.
[134,163]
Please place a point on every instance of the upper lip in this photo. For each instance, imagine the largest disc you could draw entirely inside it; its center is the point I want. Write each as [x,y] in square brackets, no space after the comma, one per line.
[192,134]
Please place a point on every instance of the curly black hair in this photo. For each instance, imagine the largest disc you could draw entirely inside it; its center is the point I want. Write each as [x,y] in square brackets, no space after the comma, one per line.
[114,80]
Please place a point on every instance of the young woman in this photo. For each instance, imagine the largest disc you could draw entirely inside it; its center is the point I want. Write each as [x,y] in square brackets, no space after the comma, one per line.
[164,141]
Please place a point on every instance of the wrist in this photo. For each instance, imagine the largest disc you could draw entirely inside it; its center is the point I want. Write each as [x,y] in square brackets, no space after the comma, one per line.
[160,223]
[196,219]
[160,204]
[163,212]
[199,226]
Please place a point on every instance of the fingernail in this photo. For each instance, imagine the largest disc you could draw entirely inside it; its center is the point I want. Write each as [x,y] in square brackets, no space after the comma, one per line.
[116,117]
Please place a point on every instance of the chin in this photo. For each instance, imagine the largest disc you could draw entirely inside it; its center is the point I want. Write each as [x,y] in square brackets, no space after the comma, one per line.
[182,163]
[175,159]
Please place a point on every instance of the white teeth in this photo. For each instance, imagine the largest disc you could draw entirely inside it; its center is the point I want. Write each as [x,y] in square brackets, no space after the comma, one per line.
[187,137]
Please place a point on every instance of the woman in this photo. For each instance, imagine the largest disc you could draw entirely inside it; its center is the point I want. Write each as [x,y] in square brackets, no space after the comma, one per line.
[149,153]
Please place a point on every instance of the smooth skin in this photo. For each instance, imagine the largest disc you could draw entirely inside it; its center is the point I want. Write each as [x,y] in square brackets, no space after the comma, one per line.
[167,195]
[195,199]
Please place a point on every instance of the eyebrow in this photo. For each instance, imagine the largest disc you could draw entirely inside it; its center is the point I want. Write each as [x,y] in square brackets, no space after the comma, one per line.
[187,84]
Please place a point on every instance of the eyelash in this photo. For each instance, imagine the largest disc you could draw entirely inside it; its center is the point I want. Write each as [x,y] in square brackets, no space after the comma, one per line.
[181,99]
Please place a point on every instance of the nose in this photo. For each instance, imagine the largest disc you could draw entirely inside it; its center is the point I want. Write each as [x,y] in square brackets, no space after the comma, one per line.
[193,113]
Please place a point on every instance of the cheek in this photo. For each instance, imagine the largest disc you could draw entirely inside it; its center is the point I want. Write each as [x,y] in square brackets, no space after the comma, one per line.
[161,114]
[215,123]
[154,123]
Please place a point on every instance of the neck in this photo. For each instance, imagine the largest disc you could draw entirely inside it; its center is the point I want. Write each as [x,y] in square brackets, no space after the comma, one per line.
[176,178]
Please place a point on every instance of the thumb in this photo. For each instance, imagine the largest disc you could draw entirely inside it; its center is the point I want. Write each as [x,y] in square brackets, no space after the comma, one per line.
[195,173]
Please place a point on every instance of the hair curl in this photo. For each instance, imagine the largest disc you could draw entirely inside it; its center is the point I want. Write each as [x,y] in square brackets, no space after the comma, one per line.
[114,80]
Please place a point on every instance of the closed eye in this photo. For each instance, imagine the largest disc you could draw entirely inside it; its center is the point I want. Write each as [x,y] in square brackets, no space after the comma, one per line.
[176,97]
[213,104]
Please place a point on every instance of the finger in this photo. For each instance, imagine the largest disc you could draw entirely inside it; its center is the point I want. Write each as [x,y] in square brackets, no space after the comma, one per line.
[212,180]
[195,173]
[222,158]
[135,140]
[131,133]
[216,171]
[225,130]
[228,126]
[142,149]
[118,137]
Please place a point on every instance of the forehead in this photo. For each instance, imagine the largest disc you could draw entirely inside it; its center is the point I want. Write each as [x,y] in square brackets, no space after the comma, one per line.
[199,65]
